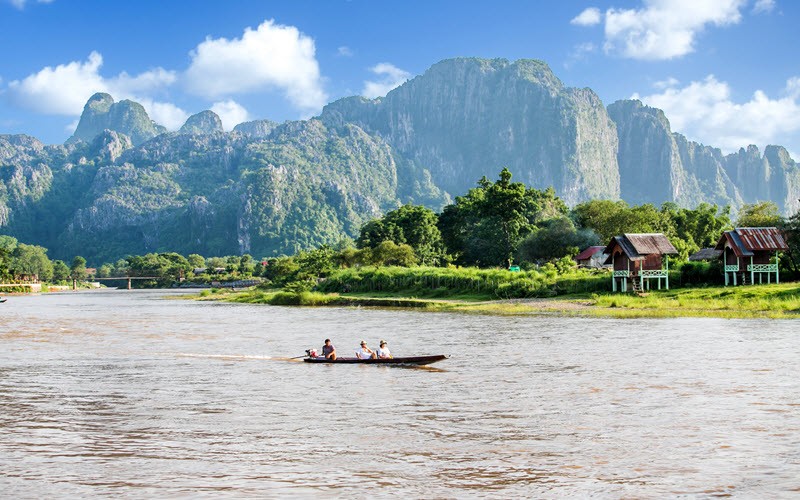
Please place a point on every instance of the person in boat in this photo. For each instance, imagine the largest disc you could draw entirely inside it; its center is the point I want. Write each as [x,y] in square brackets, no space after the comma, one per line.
[365,352]
[328,350]
[383,351]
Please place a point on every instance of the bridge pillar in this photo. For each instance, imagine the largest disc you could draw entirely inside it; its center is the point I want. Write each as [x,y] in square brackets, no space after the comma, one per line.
[129,283]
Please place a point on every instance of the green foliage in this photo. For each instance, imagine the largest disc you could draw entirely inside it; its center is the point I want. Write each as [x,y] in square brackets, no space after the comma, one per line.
[31,260]
[473,282]
[411,225]
[78,268]
[485,226]
[60,271]
[701,273]
[196,261]
[165,268]
[761,214]
[555,239]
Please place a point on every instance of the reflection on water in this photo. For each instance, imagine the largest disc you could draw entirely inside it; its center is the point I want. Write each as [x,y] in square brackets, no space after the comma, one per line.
[126,393]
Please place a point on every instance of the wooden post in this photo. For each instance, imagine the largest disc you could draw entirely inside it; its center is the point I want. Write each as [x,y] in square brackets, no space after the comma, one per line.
[613,278]
[777,267]
[753,273]
[667,277]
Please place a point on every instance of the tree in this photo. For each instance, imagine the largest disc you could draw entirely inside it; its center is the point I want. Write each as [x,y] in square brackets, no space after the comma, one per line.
[612,218]
[761,214]
[388,253]
[60,271]
[78,268]
[485,226]
[557,238]
[196,261]
[246,264]
[791,230]
[31,260]
[409,224]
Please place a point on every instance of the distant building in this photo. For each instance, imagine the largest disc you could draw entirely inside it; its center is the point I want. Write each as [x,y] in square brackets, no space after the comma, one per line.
[751,253]
[705,254]
[592,257]
[638,258]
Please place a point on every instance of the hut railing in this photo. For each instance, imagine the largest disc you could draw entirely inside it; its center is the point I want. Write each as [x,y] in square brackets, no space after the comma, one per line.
[761,268]
[732,269]
[653,273]
[622,274]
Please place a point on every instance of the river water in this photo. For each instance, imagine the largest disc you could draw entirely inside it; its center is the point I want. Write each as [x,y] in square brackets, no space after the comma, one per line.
[121,393]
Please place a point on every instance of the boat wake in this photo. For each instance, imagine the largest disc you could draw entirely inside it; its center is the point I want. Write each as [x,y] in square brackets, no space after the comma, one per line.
[227,356]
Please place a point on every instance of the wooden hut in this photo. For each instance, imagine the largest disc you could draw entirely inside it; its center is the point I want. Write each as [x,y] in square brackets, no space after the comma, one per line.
[637,259]
[591,257]
[750,252]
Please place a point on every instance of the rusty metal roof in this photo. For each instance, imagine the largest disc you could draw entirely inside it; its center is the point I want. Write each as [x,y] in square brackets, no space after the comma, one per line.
[589,252]
[746,240]
[638,245]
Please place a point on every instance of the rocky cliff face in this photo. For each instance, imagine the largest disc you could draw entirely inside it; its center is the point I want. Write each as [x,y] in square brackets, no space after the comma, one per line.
[658,165]
[467,118]
[126,117]
[204,122]
[258,129]
[122,186]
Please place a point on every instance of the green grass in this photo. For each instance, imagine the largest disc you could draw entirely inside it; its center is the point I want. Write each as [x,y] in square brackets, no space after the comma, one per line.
[752,301]
[475,291]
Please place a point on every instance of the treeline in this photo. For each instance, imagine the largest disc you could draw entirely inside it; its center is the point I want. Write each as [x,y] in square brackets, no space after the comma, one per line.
[497,224]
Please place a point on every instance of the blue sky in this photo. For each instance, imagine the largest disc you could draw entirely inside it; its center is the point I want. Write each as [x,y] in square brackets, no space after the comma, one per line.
[726,72]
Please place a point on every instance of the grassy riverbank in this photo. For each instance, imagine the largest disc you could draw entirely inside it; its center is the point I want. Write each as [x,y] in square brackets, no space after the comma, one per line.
[762,301]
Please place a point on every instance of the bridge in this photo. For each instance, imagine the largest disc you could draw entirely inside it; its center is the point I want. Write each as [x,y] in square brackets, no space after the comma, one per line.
[118,278]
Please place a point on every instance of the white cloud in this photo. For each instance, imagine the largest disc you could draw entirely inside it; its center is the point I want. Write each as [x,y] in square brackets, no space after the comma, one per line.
[271,56]
[20,4]
[664,84]
[589,17]
[64,89]
[764,6]
[344,51]
[164,113]
[231,113]
[391,77]
[705,111]
[665,29]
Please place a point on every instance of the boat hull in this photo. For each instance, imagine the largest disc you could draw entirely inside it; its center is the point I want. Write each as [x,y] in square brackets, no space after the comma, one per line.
[406,361]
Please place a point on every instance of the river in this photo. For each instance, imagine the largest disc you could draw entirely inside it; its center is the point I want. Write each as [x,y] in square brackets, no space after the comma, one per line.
[124,393]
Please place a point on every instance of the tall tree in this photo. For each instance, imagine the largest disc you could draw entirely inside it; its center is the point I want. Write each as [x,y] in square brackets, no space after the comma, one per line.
[411,225]
[761,214]
[78,268]
[485,226]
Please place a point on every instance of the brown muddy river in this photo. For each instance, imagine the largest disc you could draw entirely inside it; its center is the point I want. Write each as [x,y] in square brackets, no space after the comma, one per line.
[126,394]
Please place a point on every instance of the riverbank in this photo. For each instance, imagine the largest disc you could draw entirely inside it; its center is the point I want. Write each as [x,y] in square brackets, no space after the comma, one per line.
[759,301]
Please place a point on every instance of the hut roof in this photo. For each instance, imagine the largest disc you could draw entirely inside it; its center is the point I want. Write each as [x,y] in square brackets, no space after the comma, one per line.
[638,245]
[705,254]
[589,252]
[746,240]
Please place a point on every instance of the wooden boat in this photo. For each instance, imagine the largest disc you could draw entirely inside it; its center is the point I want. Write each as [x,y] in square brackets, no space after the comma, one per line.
[2,299]
[405,361]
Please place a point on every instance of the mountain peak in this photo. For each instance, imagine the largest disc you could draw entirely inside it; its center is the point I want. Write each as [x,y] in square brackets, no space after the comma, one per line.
[127,117]
[204,122]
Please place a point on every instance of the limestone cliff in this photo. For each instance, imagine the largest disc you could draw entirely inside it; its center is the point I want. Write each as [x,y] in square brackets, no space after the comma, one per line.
[467,118]
[204,122]
[127,117]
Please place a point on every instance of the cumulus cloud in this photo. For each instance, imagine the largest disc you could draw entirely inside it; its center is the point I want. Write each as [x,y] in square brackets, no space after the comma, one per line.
[271,56]
[64,89]
[231,113]
[764,6]
[589,17]
[706,112]
[661,29]
[390,77]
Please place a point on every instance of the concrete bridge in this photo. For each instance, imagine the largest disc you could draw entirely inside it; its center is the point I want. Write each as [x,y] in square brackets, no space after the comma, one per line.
[118,278]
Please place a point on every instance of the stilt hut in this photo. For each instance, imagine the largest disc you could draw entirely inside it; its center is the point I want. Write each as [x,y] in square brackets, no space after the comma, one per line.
[751,253]
[637,259]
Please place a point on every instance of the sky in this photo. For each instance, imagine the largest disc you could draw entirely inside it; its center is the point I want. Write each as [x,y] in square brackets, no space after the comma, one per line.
[726,72]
